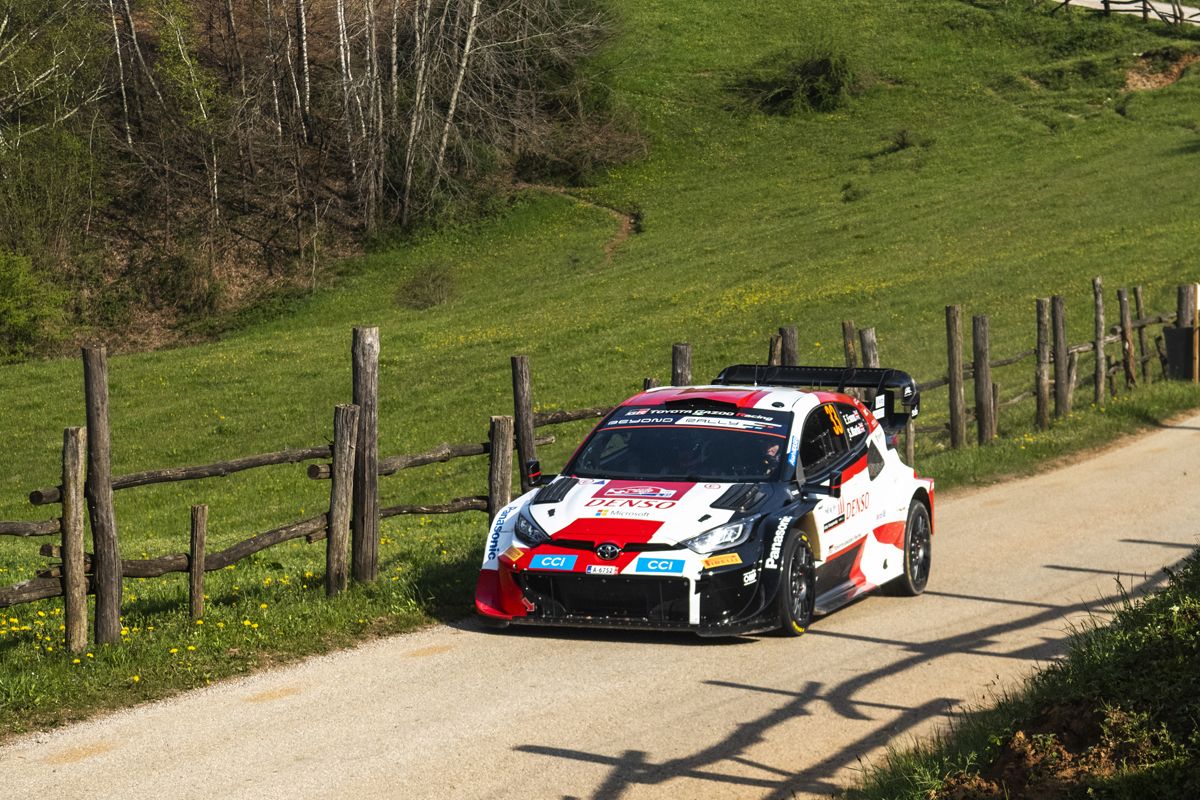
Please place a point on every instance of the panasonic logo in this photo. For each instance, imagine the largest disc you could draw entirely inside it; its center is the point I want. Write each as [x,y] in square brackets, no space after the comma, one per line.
[777,543]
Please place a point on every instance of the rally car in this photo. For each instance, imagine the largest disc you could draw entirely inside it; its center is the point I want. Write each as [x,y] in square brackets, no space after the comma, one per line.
[754,503]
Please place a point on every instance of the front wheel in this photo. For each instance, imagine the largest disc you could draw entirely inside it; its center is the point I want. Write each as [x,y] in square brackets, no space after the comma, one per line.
[917,552]
[797,590]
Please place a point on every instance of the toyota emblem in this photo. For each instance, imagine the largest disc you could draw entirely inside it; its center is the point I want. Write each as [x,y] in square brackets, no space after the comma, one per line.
[608,551]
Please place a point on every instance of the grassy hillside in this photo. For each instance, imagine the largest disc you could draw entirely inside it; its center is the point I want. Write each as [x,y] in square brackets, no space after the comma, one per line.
[987,157]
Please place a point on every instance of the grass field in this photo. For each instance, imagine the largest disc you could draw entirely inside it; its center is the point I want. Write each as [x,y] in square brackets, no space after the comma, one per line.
[987,157]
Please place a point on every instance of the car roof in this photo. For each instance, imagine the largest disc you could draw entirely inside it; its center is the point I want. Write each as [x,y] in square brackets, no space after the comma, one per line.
[768,397]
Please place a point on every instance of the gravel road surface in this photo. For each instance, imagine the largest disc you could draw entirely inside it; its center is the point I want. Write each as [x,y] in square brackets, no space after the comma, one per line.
[455,712]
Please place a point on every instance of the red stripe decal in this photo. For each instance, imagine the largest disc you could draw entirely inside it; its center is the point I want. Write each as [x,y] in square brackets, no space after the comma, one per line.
[890,533]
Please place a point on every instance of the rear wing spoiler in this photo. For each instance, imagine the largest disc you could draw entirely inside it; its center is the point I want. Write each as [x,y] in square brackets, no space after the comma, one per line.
[896,397]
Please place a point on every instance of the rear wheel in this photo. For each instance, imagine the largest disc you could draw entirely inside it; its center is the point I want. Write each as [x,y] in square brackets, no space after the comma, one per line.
[917,552]
[797,589]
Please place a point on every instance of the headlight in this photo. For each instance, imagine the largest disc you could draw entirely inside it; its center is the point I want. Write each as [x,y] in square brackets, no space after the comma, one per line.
[730,535]
[529,531]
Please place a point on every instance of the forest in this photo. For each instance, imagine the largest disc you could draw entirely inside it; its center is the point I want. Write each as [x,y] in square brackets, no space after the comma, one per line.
[167,163]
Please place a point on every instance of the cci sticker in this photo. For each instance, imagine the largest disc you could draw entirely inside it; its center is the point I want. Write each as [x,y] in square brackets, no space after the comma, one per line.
[562,563]
[673,566]
[601,569]
[722,561]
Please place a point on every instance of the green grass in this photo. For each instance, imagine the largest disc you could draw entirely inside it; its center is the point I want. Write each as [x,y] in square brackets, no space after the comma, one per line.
[1120,708]
[1026,171]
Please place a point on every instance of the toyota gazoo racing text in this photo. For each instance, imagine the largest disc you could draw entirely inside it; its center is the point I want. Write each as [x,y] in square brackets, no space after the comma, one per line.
[738,507]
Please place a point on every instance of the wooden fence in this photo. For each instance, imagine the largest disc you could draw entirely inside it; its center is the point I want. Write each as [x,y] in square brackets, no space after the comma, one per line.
[354,466]
[351,523]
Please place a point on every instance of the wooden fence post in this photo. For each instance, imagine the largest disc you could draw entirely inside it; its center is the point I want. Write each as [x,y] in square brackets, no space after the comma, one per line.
[1183,305]
[365,516]
[1195,333]
[775,351]
[341,496]
[954,356]
[1042,374]
[1072,376]
[1098,342]
[650,383]
[1062,390]
[106,562]
[74,581]
[681,364]
[1139,308]
[790,354]
[910,442]
[523,416]
[995,409]
[984,413]
[500,466]
[850,342]
[196,561]
[1126,339]
[870,358]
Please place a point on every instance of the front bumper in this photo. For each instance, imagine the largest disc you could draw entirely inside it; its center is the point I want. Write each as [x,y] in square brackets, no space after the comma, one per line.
[718,602]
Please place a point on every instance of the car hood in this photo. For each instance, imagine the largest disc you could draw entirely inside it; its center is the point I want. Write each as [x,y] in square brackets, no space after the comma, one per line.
[624,512]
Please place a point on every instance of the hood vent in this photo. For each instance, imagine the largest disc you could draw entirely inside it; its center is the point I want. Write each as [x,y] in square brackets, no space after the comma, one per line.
[739,497]
[555,492]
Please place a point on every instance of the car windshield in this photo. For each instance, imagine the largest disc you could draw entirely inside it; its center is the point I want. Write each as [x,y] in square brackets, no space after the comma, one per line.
[687,444]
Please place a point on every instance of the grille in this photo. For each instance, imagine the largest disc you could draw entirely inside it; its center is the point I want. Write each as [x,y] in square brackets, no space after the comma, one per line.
[630,599]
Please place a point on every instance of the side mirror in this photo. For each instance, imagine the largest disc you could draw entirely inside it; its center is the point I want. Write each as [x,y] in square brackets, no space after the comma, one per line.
[533,471]
[834,489]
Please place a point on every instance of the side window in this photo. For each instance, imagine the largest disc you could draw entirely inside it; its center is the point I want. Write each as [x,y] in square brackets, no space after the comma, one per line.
[822,440]
[874,461]
[856,426]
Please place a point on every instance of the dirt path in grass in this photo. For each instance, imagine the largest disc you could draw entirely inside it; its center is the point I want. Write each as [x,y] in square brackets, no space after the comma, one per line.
[626,223]
[454,712]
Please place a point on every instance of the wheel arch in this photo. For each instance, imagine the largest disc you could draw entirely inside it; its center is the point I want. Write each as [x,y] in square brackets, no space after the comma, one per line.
[925,498]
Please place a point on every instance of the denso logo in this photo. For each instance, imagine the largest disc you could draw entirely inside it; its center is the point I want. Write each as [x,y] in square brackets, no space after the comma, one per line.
[668,565]
[777,543]
[858,505]
[614,503]
[561,563]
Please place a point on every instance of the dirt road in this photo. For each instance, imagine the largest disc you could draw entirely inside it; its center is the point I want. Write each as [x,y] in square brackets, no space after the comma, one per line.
[455,712]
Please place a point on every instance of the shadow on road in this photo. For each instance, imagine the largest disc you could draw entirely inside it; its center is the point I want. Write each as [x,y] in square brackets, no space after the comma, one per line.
[729,760]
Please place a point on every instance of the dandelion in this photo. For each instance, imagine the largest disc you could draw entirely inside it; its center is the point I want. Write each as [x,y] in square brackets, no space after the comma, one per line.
[173,650]
[253,626]
[263,606]
[191,647]
[49,648]
[41,613]
[199,622]
[220,624]
[76,661]
[246,622]
[135,678]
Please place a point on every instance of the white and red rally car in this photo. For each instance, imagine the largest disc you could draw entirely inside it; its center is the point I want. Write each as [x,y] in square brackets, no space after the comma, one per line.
[742,506]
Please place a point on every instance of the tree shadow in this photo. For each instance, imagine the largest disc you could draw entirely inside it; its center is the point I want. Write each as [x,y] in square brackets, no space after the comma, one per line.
[717,763]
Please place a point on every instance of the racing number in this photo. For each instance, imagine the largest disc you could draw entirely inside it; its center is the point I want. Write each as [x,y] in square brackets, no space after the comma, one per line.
[836,419]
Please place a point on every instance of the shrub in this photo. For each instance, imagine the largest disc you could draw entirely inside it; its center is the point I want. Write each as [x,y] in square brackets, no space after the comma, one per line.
[787,81]
[29,309]
[426,288]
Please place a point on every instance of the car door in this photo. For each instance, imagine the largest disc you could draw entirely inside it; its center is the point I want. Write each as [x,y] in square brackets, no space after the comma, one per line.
[839,524]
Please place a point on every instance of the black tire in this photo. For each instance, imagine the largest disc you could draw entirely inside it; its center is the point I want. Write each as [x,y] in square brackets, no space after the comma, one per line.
[918,552]
[797,594]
